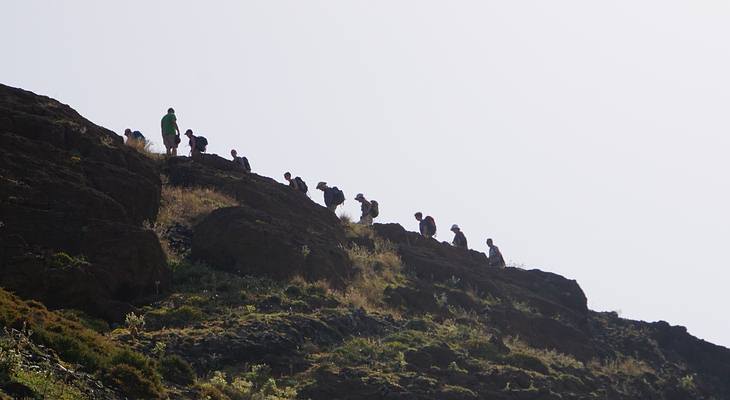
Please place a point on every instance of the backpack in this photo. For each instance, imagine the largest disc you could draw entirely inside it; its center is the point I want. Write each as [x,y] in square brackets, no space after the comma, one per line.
[137,135]
[201,143]
[246,165]
[338,196]
[301,185]
[374,212]
[431,224]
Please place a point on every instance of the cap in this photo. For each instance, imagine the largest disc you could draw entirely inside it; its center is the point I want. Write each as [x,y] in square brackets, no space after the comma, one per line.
[321,185]
[359,196]
[454,227]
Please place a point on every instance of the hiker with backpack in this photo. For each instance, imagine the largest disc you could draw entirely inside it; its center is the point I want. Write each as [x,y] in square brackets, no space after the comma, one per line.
[427,225]
[459,238]
[297,183]
[170,132]
[197,144]
[369,209]
[134,138]
[333,196]
[495,256]
[240,161]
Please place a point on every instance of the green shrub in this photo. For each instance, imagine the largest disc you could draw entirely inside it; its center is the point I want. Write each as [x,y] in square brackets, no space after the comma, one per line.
[175,369]
[133,382]
[176,317]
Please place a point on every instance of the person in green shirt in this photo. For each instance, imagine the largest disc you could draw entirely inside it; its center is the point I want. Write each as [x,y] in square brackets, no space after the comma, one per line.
[170,132]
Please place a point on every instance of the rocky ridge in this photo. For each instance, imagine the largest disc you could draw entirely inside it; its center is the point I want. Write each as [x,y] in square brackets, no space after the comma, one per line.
[275,297]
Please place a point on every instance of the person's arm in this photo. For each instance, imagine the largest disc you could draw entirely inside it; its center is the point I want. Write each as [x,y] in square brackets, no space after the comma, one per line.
[176,128]
[193,145]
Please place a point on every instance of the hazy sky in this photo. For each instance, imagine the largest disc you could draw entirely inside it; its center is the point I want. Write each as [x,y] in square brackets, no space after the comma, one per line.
[587,138]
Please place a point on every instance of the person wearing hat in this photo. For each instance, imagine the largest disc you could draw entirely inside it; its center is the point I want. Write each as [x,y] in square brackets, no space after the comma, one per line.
[333,196]
[459,238]
[365,206]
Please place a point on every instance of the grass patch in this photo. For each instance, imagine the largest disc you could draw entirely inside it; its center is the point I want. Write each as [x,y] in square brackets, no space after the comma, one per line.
[377,270]
[550,358]
[185,207]
[71,340]
[621,366]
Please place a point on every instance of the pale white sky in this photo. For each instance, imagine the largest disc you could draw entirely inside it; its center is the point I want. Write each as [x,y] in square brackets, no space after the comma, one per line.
[587,138]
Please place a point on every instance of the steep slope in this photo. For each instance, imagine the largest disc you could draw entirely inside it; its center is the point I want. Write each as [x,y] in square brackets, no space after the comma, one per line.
[72,202]
[271,296]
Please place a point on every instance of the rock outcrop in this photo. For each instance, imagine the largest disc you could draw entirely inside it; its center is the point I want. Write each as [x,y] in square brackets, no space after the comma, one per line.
[72,202]
[275,232]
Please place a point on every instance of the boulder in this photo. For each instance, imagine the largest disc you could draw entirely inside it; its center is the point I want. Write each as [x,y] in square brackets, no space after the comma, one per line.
[70,187]
[275,232]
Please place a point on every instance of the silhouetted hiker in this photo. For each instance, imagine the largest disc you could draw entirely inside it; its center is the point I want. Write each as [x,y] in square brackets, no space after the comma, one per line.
[369,209]
[297,183]
[333,196]
[495,256]
[135,138]
[427,225]
[197,144]
[459,238]
[170,132]
[241,161]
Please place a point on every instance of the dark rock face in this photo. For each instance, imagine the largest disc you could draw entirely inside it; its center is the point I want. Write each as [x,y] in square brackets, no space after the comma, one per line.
[550,295]
[67,185]
[276,231]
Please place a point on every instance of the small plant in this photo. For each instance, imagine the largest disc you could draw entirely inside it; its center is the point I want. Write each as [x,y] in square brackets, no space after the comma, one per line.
[306,251]
[442,299]
[687,383]
[159,349]
[453,281]
[135,323]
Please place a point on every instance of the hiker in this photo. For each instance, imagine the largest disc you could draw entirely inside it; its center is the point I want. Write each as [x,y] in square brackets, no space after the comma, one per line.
[170,132]
[333,196]
[297,183]
[369,209]
[197,144]
[495,256]
[427,225]
[459,238]
[241,161]
[134,138]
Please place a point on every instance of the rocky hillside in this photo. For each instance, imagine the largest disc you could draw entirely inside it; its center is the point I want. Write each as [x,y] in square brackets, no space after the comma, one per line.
[134,276]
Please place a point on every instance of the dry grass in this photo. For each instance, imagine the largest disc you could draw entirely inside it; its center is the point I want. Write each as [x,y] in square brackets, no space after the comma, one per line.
[377,270]
[548,357]
[186,206]
[355,230]
[145,148]
[189,205]
[621,365]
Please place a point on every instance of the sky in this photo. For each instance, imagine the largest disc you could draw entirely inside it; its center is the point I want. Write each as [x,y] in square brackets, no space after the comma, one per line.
[588,138]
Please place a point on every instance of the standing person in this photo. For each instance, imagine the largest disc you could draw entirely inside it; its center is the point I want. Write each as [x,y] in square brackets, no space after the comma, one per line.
[333,196]
[459,238]
[241,161]
[170,132]
[369,209]
[427,225]
[495,256]
[297,183]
